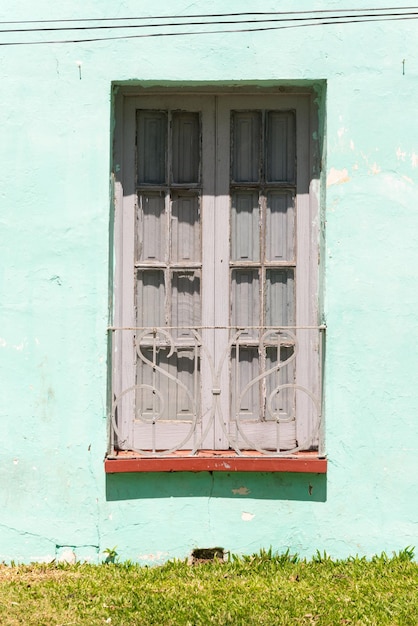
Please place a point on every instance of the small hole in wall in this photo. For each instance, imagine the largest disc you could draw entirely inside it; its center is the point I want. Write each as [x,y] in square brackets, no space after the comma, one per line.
[203,555]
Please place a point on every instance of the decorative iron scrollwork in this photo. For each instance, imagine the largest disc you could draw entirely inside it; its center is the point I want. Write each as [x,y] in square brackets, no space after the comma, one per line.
[281,354]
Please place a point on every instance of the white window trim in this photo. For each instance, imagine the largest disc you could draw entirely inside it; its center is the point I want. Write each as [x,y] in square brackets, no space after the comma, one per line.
[217,202]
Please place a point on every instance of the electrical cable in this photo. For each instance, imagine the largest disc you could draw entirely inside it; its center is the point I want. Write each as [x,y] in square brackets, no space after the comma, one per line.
[209,15]
[209,23]
[341,20]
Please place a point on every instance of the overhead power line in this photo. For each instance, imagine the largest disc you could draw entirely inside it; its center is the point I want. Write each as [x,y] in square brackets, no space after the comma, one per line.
[314,19]
[374,15]
[211,15]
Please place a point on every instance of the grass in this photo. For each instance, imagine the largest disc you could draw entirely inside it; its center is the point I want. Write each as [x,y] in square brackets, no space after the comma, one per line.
[265,588]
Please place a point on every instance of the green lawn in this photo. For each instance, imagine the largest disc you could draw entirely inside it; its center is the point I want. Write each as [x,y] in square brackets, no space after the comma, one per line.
[262,589]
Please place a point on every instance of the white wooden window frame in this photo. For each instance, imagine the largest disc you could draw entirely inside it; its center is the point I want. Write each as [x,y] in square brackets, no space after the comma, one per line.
[215,119]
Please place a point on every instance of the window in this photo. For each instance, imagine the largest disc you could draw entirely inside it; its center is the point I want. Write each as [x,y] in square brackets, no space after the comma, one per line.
[215,342]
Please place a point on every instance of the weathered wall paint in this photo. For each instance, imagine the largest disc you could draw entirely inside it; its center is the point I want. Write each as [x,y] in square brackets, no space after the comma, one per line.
[54,190]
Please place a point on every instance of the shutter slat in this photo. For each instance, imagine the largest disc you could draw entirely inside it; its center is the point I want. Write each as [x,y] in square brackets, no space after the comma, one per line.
[280,226]
[245,243]
[246,141]
[279,297]
[151,227]
[281,146]
[152,146]
[185,228]
[186,147]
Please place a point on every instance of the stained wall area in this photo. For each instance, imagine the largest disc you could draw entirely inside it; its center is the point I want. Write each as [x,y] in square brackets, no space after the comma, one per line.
[56,122]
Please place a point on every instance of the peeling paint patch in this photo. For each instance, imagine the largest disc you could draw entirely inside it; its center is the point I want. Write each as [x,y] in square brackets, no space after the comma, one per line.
[158,556]
[67,556]
[408,180]
[411,156]
[337,177]
[3,342]
[247,517]
[375,169]
[241,491]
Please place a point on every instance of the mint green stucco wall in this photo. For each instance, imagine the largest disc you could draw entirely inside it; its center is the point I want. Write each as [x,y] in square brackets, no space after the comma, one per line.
[54,197]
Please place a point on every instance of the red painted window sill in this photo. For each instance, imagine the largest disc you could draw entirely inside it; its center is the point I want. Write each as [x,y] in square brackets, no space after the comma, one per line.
[210,461]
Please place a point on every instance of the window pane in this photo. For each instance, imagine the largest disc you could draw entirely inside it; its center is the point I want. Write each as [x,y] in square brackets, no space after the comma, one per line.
[280,307]
[170,397]
[185,228]
[150,298]
[170,401]
[151,227]
[281,146]
[246,141]
[244,369]
[245,299]
[279,404]
[185,301]
[245,234]
[152,146]
[280,223]
[148,404]
[186,147]
[187,368]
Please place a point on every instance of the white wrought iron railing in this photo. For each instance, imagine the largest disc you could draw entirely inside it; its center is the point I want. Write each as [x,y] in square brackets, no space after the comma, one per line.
[249,390]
